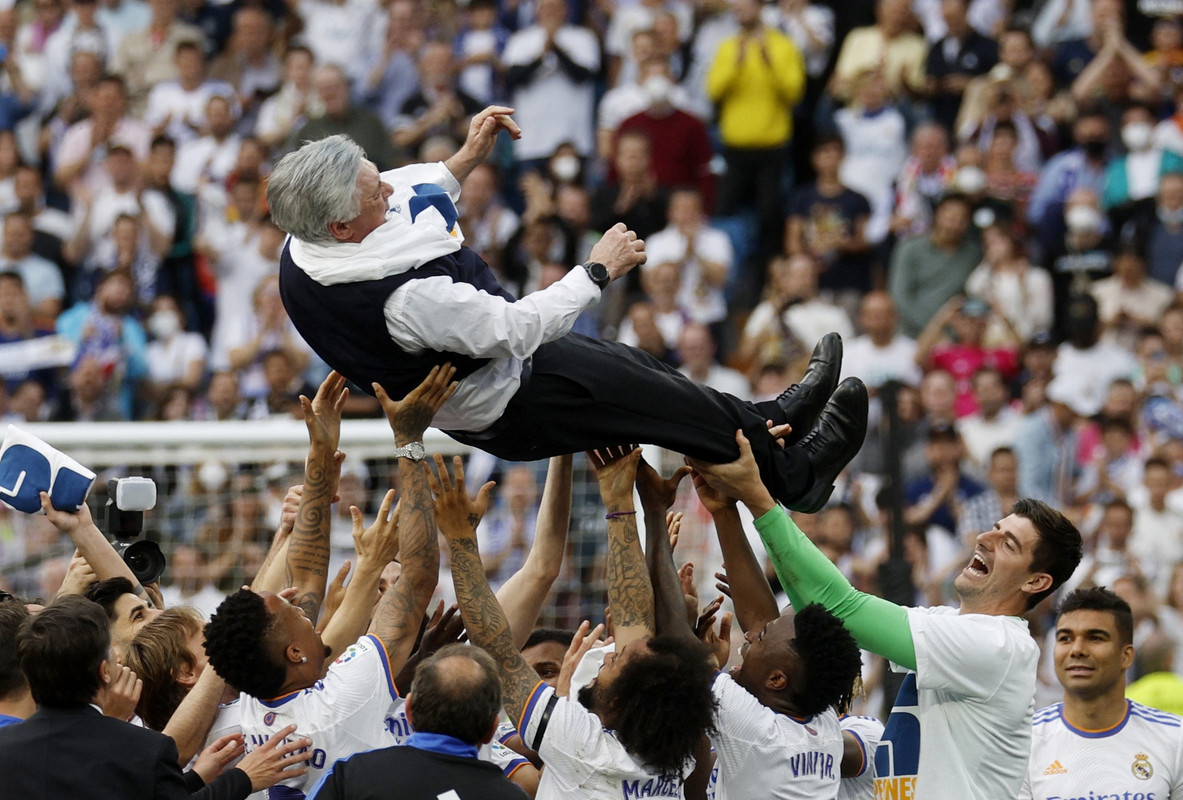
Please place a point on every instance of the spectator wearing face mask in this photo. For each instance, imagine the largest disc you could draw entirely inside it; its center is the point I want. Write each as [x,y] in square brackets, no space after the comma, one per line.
[1081,166]
[1136,175]
[684,158]
[175,356]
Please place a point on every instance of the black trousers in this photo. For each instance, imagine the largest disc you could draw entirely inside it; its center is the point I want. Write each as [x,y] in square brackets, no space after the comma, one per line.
[584,393]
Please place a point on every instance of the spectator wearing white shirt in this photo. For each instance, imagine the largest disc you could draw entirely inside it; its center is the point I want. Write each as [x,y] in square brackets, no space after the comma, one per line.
[810,26]
[696,346]
[552,65]
[42,278]
[211,158]
[79,159]
[337,31]
[177,108]
[243,250]
[627,20]
[266,331]
[1019,293]
[662,286]
[995,424]
[147,57]
[881,353]
[295,101]
[781,327]
[176,357]
[704,256]
[28,51]
[392,75]
[1129,299]
[93,246]
[249,63]
[80,31]
[1157,539]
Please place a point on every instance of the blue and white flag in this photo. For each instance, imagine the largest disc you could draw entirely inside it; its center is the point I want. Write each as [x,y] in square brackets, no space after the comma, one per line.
[29,466]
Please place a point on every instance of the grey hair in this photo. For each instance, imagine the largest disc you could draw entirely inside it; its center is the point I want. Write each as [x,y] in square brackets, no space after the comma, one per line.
[315,186]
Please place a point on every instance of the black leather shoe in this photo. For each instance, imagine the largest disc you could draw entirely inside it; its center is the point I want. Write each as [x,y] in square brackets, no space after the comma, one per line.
[804,400]
[834,440]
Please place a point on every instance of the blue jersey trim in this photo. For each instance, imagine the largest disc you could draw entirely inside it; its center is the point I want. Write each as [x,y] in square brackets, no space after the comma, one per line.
[385,665]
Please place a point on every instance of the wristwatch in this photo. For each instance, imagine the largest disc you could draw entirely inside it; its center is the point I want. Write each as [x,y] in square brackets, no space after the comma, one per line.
[598,273]
[412,450]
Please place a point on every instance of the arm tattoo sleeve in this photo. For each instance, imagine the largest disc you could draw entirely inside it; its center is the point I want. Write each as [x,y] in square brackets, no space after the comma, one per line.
[488,626]
[630,592]
[307,561]
[397,618]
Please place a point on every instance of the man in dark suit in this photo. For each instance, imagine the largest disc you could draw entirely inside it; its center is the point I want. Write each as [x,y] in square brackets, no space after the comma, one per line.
[454,702]
[68,749]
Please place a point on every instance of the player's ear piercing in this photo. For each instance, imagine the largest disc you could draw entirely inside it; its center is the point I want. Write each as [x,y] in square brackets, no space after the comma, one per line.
[303,659]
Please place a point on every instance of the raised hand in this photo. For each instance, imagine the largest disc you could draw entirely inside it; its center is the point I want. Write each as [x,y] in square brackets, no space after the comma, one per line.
[213,760]
[581,643]
[444,628]
[658,493]
[123,693]
[274,761]
[412,415]
[719,643]
[322,414]
[66,521]
[619,250]
[455,512]
[379,542]
[616,470]
[711,498]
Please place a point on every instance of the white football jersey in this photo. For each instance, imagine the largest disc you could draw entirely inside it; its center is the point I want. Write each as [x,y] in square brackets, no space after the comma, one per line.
[343,714]
[867,731]
[1139,758]
[583,760]
[961,723]
[763,754]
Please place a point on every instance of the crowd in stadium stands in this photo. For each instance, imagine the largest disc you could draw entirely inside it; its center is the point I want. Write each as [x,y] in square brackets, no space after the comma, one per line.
[983,197]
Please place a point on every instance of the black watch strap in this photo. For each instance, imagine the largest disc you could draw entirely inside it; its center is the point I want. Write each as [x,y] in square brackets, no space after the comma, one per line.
[598,273]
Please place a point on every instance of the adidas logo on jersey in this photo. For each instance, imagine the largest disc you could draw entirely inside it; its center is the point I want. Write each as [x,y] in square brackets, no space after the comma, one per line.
[1056,768]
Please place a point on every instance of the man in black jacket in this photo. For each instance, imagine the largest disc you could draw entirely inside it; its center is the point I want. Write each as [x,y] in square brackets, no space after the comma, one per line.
[454,702]
[69,749]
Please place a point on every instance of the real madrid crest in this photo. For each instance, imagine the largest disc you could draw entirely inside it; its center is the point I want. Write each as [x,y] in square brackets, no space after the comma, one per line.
[1141,767]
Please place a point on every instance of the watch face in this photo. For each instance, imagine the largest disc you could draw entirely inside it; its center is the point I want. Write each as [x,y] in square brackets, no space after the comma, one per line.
[598,273]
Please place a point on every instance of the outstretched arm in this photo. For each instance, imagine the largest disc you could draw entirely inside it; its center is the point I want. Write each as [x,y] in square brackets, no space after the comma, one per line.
[92,545]
[809,577]
[484,619]
[483,129]
[376,546]
[523,594]
[755,604]
[306,563]
[657,496]
[630,592]
[397,617]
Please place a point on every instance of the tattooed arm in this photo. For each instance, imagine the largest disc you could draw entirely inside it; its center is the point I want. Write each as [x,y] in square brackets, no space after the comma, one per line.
[526,590]
[484,619]
[630,592]
[306,562]
[398,615]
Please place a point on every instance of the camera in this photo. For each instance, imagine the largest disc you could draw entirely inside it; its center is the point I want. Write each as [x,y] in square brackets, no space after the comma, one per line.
[127,500]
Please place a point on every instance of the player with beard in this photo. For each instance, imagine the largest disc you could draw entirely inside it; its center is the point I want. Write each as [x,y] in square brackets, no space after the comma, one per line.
[270,650]
[961,722]
[646,713]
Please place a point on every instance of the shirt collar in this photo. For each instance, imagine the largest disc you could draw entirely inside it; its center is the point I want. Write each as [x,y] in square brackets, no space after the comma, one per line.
[440,743]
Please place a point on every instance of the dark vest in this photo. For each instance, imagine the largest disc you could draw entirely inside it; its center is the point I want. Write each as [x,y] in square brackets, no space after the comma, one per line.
[346,323]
